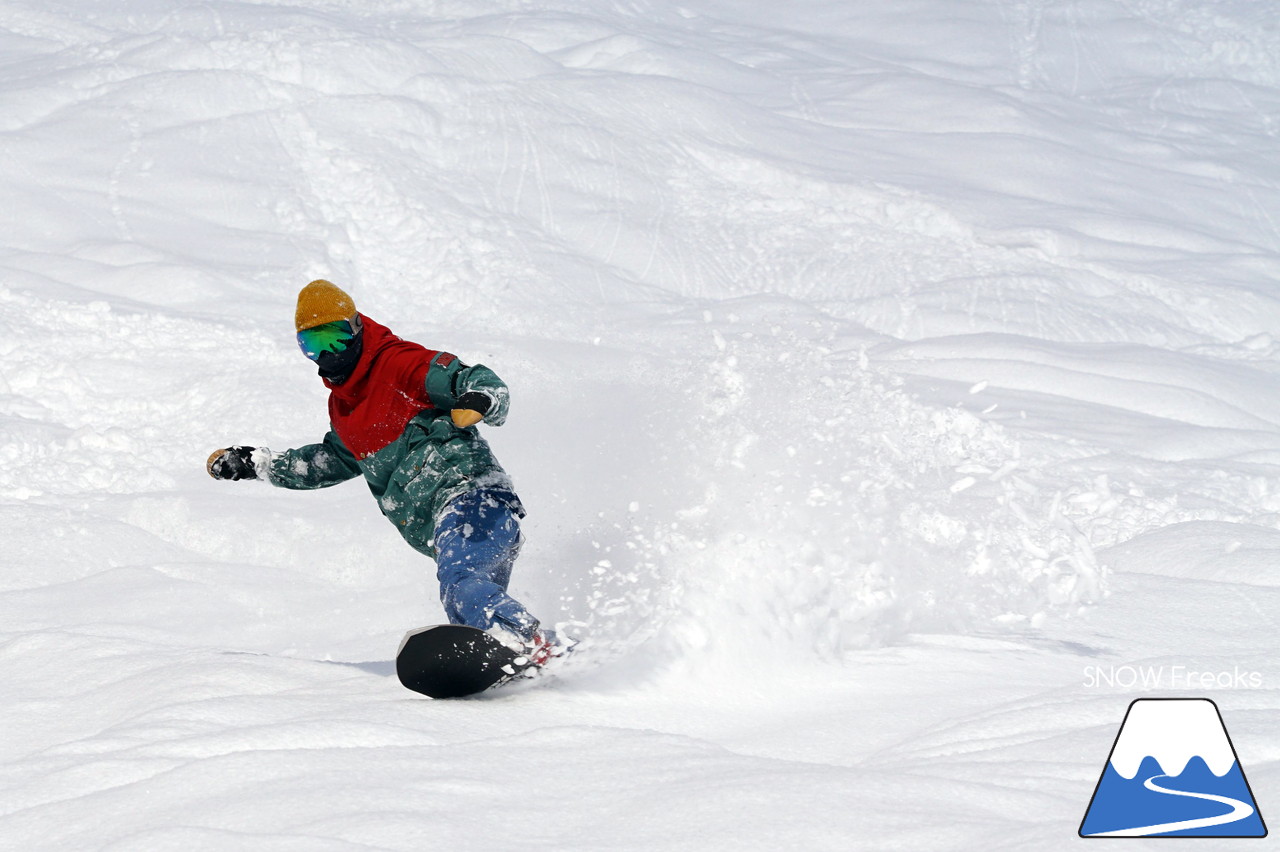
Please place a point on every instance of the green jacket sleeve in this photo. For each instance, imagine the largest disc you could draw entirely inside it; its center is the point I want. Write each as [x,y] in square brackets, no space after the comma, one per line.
[447,382]
[314,466]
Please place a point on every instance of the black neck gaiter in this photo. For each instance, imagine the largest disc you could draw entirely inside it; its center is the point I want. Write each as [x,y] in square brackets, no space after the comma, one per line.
[336,367]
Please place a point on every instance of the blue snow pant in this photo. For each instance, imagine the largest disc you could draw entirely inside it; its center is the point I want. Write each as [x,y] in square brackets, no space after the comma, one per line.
[477,541]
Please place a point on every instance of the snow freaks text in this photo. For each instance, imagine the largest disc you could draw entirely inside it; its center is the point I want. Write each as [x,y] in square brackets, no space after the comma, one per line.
[1169,677]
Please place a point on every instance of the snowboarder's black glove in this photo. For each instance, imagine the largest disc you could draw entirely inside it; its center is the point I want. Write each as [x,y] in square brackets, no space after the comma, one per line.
[234,463]
[471,408]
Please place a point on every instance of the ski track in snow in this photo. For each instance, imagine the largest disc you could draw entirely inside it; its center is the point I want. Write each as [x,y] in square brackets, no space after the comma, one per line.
[877,373]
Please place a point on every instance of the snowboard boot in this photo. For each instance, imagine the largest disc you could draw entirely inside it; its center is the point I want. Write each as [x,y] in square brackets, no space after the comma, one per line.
[542,647]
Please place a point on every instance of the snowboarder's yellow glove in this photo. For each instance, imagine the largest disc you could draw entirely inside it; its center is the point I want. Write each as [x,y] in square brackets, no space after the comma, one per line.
[462,417]
[472,407]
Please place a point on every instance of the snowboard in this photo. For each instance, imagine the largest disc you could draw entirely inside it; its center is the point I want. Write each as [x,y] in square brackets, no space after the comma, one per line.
[453,660]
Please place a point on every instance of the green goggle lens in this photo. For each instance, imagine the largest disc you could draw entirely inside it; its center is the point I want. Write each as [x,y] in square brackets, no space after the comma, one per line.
[331,337]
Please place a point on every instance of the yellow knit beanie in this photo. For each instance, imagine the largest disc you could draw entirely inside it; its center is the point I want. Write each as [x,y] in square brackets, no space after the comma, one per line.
[321,302]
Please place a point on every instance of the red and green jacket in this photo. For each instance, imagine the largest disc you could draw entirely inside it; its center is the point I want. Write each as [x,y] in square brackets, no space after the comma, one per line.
[389,421]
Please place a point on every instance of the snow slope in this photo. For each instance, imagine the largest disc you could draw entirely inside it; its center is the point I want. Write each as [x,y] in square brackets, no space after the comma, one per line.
[894,395]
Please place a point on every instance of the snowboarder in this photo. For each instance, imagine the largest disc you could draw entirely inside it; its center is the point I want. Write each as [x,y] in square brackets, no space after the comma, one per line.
[404,417]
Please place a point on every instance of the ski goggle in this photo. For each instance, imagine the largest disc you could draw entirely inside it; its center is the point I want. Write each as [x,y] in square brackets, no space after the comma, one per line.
[332,337]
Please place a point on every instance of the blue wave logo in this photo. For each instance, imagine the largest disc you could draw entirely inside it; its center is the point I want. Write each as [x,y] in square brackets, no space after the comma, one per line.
[1173,772]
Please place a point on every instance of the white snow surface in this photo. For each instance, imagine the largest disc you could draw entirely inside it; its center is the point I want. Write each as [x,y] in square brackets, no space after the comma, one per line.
[895,394]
